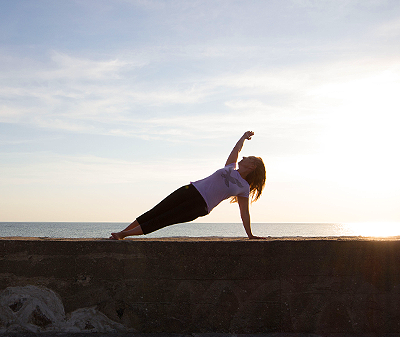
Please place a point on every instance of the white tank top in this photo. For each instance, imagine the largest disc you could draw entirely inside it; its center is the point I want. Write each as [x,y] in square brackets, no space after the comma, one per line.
[221,185]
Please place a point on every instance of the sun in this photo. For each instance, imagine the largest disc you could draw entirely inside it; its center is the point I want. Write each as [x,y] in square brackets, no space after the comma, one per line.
[361,137]
[376,229]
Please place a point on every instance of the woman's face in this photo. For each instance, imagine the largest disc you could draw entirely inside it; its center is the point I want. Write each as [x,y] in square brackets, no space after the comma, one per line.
[247,162]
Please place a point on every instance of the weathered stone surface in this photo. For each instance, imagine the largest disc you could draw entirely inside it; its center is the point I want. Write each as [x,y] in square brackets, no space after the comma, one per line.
[204,285]
[37,309]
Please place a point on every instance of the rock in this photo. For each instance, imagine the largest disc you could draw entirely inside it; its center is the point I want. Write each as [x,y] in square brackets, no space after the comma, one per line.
[91,320]
[38,309]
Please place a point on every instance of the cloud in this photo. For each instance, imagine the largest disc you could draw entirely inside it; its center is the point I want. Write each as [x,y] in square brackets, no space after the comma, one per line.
[48,169]
[68,67]
[389,29]
[112,97]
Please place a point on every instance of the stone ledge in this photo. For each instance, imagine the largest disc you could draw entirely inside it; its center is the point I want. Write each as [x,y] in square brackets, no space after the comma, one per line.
[207,239]
[85,334]
[193,286]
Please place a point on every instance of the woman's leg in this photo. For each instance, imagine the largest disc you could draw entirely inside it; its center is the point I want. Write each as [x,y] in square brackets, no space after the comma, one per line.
[171,201]
[133,229]
[183,205]
[163,206]
[131,226]
[186,211]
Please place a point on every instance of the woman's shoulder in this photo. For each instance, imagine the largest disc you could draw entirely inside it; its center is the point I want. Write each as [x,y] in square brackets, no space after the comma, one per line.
[231,165]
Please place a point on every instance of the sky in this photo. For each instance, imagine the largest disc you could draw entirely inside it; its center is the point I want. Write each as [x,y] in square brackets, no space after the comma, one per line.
[108,106]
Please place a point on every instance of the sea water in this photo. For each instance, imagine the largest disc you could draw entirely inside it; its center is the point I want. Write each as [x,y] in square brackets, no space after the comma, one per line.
[193,229]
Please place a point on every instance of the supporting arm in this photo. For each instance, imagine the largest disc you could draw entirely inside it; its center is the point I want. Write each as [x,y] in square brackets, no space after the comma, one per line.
[245,215]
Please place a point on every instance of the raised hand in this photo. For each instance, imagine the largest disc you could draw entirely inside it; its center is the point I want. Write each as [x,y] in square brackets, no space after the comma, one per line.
[248,134]
[238,147]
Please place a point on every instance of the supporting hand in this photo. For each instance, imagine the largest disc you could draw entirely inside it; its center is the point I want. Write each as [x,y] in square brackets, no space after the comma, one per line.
[253,237]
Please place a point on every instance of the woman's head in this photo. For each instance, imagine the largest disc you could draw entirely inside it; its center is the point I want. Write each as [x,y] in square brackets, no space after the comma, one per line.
[256,178]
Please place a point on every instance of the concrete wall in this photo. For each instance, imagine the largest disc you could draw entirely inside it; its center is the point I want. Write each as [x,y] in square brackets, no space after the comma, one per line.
[215,285]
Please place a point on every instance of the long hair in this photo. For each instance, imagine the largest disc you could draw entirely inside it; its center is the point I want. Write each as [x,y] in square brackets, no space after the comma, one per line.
[256,180]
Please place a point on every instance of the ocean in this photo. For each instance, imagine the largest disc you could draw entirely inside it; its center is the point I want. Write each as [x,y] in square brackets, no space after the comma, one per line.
[103,229]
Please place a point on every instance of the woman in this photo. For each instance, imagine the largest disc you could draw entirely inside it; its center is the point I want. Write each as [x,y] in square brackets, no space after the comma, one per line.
[200,197]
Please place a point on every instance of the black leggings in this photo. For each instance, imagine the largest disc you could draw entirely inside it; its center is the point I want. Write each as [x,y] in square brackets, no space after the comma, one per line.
[183,205]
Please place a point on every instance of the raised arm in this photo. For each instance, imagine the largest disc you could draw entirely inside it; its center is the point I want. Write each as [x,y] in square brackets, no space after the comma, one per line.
[233,157]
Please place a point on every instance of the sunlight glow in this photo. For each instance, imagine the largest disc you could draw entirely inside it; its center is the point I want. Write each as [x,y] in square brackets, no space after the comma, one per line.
[377,229]
[362,137]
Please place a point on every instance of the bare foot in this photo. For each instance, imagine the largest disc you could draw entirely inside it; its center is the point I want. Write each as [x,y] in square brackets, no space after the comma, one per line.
[115,236]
